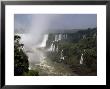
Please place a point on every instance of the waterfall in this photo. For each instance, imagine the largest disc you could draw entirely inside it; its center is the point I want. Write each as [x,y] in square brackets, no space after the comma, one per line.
[81,60]
[60,36]
[29,68]
[35,55]
[62,57]
[57,49]
[64,36]
[43,43]
[56,37]
[52,47]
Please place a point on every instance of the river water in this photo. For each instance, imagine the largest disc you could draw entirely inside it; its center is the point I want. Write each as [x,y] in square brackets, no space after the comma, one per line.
[38,61]
[47,67]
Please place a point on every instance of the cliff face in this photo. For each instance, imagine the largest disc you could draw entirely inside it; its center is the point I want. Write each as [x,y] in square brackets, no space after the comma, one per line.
[78,48]
[54,39]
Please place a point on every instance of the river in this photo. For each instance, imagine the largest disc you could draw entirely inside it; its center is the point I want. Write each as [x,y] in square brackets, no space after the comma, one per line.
[47,67]
[38,61]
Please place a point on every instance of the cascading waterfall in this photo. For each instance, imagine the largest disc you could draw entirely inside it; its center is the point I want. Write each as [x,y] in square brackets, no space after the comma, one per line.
[36,55]
[57,38]
[81,60]
[57,49]
[62,57]
[52,47]
[63,36]
[38,58]
[43,43]
[60,37]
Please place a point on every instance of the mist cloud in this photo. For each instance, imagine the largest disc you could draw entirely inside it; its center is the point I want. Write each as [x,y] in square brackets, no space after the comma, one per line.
[33,26]
[33,32]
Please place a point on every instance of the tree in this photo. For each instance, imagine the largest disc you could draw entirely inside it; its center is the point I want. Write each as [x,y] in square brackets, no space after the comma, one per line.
[21,62]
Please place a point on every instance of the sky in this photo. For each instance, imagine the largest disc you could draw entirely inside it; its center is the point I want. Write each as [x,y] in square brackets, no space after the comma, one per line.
[43,22]
[33,26]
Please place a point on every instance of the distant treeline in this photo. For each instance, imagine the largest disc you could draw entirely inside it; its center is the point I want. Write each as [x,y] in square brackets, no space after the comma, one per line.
[78,43]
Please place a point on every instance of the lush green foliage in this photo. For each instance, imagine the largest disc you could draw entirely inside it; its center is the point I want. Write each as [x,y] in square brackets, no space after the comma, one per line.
[21,63]
[31,73]
[82,42]
[77,43]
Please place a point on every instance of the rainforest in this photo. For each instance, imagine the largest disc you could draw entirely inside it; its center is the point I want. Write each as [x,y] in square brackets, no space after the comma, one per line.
[68,52]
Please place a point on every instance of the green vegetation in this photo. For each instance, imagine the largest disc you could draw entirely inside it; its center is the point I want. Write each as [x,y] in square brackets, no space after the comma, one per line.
[78,43]
[21,63]
[31,73]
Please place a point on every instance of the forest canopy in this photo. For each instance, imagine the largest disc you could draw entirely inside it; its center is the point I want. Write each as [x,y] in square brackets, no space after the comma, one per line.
[21,63]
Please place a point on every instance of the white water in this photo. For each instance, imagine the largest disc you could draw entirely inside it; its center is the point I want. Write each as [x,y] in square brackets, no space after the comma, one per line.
[56,37]
[64,36]
[62,57]
[38,60]
[57,49]
[35,55]
[81,60]
[43,43]
[60,37]
[51,47]
[39,54]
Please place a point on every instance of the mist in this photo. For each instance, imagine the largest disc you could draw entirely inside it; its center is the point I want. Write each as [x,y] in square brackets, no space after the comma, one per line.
[32,35]
[54,54]
[33,27]
[33,32]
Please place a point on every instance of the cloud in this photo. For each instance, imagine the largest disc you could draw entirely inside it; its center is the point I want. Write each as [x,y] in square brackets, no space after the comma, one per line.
[39,24]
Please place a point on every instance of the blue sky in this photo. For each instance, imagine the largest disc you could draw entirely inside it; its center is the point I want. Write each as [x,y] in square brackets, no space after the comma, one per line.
[28,22]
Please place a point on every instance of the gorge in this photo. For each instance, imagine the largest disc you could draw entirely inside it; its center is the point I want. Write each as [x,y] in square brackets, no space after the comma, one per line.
[63,53]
